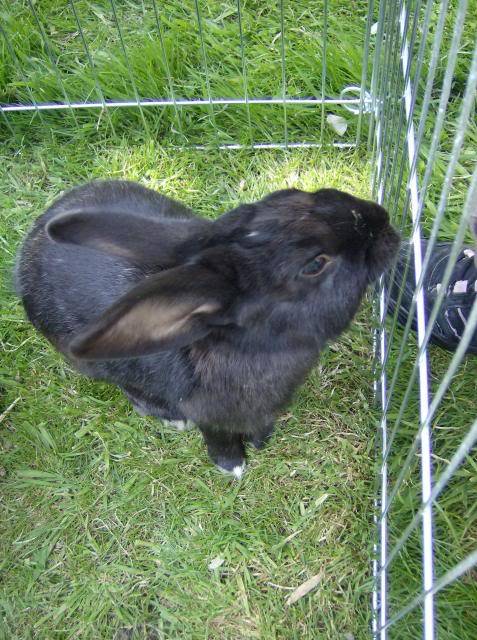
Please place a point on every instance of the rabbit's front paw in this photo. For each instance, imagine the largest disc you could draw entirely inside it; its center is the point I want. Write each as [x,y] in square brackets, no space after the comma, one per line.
[232,467]
[226,450]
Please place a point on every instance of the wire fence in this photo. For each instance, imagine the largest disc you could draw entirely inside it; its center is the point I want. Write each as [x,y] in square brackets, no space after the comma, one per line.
[215,88]
[425,172]
[411,93]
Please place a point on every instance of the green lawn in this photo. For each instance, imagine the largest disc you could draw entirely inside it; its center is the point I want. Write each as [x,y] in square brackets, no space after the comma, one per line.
[109,521]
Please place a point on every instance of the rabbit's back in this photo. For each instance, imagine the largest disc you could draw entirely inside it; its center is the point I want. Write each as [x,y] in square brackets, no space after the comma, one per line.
[65,287]
[118,196]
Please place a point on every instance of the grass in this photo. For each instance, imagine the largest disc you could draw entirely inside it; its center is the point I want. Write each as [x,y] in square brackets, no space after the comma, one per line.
[109,520]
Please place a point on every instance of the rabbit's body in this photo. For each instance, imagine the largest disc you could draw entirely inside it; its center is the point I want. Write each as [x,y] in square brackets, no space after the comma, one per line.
[211,322]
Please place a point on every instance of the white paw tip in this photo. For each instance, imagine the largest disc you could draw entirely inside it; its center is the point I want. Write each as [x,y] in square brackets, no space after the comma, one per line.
[238,471]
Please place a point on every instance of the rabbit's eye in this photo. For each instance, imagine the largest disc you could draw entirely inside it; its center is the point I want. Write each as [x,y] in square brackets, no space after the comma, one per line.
[316,266]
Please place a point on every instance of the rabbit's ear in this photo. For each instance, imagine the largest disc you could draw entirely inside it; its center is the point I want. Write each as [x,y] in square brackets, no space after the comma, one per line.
[168,310]
[141,239]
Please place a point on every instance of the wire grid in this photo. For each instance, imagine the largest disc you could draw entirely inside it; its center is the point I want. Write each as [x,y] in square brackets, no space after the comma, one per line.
[425,172]
[421,95]
[184,96]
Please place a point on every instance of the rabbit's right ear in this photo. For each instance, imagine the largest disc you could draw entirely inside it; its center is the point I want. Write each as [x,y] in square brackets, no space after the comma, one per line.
[141,239]
[168,310]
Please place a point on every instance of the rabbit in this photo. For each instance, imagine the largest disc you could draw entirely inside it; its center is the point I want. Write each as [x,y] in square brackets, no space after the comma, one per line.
[201,322]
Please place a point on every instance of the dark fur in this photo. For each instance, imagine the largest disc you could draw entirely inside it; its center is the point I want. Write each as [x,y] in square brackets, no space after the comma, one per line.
[214,322]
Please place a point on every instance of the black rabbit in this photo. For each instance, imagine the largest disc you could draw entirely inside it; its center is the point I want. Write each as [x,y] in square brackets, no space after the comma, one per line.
[213,323]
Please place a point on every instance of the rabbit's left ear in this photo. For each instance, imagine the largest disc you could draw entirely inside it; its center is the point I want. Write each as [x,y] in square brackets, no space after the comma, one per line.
[141,239]
[169,310]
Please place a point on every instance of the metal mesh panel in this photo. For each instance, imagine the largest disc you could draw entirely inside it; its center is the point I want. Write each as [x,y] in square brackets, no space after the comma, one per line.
[424,82]
[213,89]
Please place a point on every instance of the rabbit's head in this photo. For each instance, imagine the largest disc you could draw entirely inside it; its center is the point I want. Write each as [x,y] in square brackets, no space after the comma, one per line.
[297,240]
[292,267]
[303,260]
